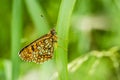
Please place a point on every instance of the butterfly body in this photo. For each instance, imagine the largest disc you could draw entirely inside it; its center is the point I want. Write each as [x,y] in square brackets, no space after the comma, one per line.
[41,49]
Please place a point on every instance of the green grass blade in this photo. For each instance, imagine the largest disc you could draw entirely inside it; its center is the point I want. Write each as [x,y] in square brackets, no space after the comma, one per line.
[63,23]
[16,30]
[37,15]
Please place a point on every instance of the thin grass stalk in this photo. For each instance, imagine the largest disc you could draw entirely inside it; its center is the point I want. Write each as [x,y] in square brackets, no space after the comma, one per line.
[63,23]
[16,30]
[37,14]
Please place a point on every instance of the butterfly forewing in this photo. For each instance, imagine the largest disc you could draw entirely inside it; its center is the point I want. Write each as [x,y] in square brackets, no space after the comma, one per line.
[41,49]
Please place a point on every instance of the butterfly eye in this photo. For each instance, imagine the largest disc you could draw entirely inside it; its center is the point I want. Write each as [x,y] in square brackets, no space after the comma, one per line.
[53,32]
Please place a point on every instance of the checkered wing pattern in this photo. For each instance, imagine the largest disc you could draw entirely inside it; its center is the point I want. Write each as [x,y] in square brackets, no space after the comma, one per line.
[41,49]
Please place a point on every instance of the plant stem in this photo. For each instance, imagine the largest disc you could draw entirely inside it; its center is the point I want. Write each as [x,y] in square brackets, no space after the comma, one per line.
[16,30]
[35,11]
[63,22]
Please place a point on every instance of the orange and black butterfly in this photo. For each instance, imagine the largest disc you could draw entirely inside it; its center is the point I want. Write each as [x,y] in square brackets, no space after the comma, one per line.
[41,49]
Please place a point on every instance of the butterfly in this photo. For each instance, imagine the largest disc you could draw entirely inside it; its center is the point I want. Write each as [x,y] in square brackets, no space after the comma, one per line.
[41,49]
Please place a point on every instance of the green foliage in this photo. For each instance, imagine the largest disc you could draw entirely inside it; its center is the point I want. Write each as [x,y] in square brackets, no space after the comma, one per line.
[63,30]
[83,28]
[96,65]
[16,31]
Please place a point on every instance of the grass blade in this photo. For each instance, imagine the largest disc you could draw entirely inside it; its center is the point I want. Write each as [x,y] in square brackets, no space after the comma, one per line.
[16,30]
[35,11]
[63,22]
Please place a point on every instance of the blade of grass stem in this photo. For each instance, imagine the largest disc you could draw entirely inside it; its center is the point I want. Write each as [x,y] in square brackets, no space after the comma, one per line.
[37,15]
[63,23]
[16,30]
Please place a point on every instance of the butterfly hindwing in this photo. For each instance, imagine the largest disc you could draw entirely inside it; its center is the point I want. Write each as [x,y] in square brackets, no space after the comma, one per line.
[41,49]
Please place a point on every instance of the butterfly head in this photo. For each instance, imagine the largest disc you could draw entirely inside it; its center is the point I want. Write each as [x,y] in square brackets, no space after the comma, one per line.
[53,32]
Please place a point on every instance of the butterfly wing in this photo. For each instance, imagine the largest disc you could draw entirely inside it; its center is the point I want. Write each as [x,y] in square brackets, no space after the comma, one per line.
[38,51]
[44,50]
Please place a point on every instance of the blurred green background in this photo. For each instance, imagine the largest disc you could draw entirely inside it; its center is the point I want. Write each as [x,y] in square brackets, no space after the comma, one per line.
[88,39]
